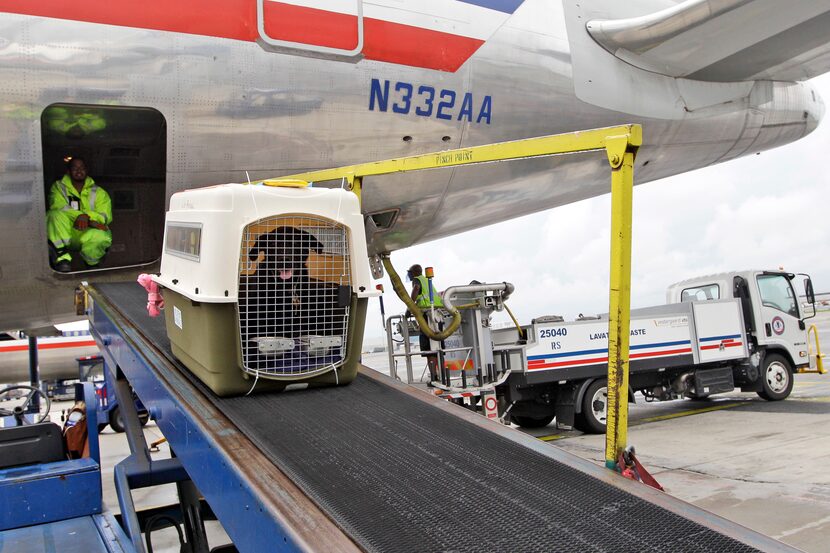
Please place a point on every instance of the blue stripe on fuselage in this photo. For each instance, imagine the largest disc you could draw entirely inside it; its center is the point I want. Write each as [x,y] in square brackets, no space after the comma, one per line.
[505,6]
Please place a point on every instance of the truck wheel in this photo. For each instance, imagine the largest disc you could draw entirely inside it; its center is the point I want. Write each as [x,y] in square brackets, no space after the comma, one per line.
[115,420]
[776,378]
[532,422]
[118,425]
[594,408]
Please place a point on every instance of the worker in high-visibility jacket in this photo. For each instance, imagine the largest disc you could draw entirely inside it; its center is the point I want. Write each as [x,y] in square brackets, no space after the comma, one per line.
[420,295]
[79,216]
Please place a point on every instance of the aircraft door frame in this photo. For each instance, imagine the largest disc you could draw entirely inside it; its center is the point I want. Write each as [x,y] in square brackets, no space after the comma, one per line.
[291,47]
[126,152]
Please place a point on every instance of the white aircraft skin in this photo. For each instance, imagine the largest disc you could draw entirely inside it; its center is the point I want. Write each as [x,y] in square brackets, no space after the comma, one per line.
[236,107]
[57,355]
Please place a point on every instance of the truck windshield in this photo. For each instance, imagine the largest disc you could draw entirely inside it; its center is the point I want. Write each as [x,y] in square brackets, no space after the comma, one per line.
[776,292]
[701,293]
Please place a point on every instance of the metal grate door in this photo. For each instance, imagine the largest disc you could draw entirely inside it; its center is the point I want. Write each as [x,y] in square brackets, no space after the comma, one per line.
[294,293]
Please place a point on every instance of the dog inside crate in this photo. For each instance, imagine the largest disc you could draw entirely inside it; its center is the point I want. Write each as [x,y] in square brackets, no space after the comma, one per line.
[294,296]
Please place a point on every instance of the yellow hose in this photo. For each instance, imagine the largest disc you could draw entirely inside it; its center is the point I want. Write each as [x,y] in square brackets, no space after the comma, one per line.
[522,333]
[400,290]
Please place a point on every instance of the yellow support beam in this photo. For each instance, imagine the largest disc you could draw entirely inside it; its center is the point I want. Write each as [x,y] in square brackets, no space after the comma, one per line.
[620,145]
[619,312]
[612,139]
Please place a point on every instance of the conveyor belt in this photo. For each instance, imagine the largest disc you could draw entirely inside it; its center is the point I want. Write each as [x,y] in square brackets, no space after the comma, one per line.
[399,474]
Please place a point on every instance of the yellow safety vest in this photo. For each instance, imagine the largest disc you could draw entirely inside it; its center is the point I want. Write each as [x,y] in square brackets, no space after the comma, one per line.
[93,200]
[423,298]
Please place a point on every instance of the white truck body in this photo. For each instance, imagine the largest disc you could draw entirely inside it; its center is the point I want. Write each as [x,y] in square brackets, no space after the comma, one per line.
[687,333]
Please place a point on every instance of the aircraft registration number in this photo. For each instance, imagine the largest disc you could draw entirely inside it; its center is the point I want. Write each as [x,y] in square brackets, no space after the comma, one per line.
[428,101]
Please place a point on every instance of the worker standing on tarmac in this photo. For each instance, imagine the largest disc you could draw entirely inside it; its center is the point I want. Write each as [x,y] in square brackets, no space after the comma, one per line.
[421,296]
[79,216]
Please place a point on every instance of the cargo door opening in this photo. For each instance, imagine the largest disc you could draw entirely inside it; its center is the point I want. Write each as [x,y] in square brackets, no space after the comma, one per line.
[124,150]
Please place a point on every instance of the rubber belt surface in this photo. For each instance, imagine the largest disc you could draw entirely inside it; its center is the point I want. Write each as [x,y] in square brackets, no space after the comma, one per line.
[400,475]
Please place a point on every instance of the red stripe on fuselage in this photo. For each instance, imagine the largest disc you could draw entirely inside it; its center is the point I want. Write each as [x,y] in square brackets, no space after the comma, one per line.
[405,45]
[382,40]
[310,26]
[236,19]
[49,345]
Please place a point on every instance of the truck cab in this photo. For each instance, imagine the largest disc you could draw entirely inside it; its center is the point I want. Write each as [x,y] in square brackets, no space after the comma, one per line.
[773,316]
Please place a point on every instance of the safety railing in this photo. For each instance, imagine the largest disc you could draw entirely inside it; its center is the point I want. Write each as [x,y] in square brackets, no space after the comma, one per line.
[408,353]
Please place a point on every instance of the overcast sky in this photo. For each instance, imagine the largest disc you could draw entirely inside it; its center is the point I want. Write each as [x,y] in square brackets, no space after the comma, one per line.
[761,211]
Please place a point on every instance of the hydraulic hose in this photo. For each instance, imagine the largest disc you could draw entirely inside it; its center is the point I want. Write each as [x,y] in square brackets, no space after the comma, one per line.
[521,331]
[400,290]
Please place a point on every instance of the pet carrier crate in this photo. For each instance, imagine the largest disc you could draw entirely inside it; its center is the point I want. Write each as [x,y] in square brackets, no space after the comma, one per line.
[265,285]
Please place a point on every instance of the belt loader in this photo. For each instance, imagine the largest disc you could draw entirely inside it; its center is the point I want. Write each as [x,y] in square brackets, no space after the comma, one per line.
[347,468]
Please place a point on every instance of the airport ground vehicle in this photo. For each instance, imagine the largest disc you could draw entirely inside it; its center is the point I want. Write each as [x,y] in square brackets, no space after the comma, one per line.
[50,502]
[91,369]
[738,329]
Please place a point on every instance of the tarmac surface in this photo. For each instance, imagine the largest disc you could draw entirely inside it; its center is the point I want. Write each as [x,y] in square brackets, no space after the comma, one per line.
[761,464]
[758,463]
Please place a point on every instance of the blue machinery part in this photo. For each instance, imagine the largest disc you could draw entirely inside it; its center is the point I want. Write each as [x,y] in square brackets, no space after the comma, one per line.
[52,491]
[253,499]
[139,470]
[55,506]
[91,369]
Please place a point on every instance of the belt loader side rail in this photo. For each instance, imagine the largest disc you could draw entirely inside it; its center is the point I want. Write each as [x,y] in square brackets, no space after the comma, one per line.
[260,508]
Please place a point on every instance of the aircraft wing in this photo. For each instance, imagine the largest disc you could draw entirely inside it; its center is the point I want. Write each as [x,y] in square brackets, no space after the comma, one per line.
[725,40]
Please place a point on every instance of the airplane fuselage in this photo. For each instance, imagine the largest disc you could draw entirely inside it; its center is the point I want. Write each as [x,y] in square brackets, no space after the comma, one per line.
[235,108]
